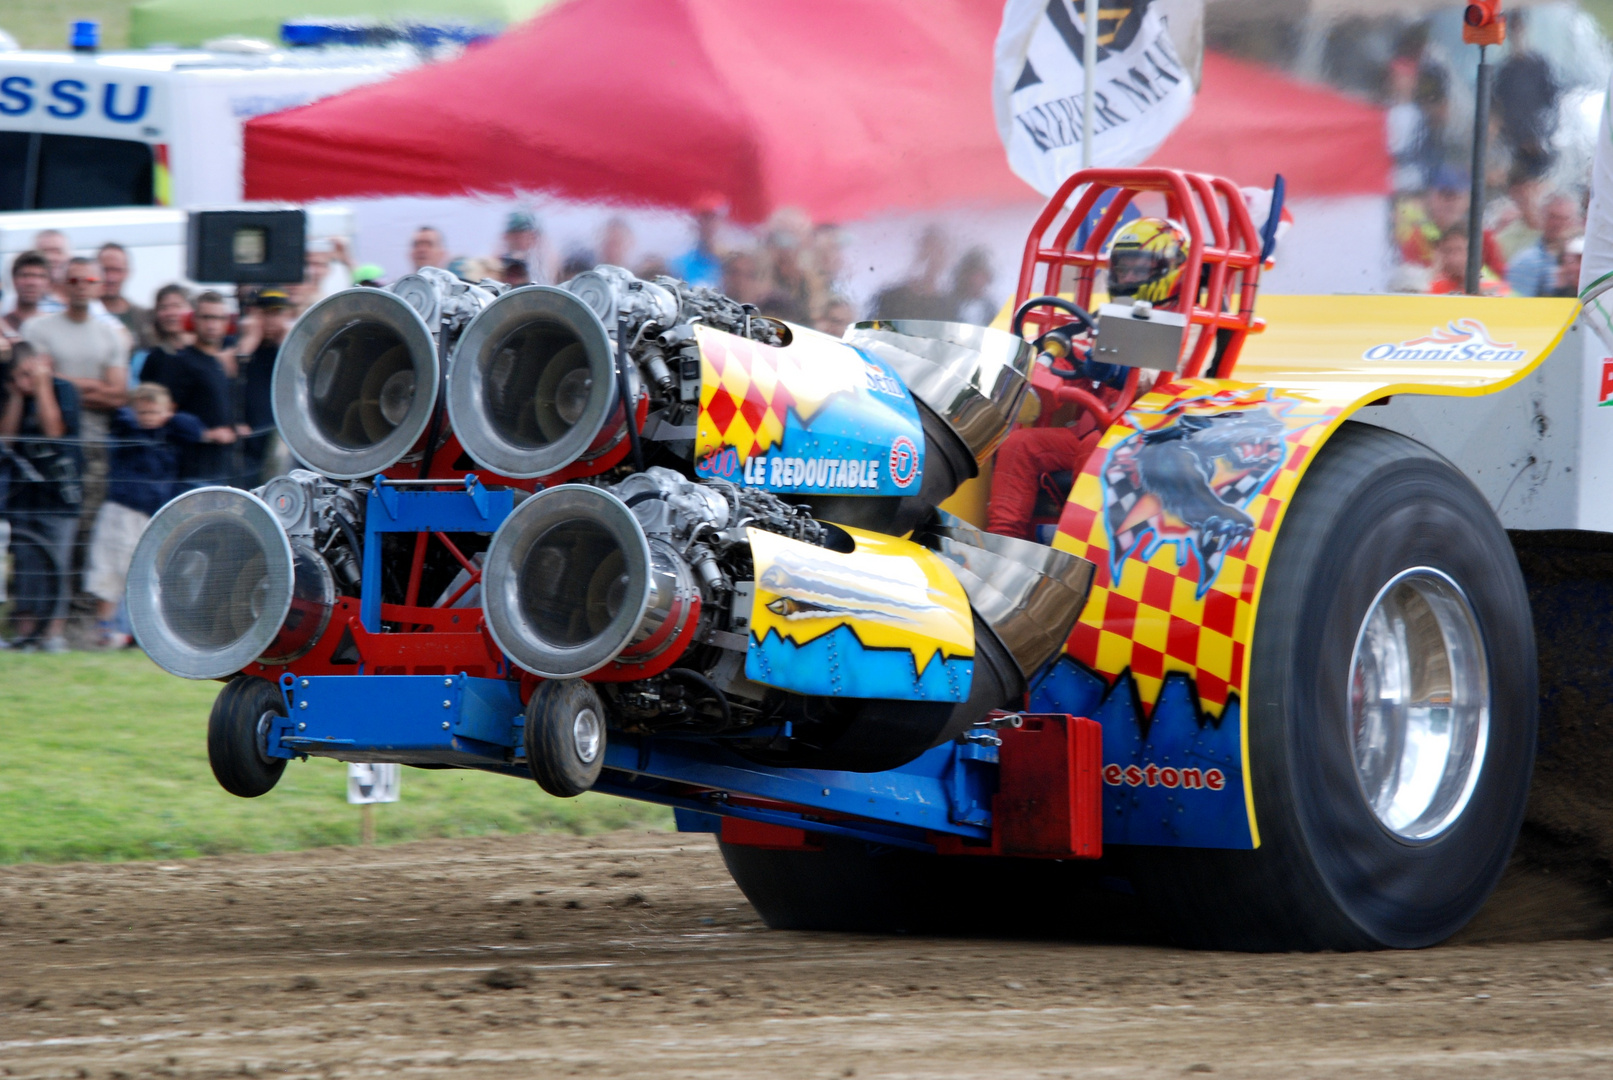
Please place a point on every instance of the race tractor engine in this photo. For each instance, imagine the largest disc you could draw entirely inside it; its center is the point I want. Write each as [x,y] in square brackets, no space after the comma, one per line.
[640,506]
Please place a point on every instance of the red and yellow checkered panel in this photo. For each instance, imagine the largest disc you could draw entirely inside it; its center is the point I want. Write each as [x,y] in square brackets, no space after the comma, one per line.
[747,389]
[1178,508]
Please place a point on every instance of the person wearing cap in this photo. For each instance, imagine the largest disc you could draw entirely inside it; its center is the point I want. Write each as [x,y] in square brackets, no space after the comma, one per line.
[702,264]
[1443,208]
[369,274]
[524,242]
[263,328]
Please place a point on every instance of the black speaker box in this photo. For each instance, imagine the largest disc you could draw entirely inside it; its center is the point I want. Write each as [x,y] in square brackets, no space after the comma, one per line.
[262,247]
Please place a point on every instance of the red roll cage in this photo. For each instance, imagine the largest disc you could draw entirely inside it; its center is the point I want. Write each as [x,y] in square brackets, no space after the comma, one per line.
[1224,249]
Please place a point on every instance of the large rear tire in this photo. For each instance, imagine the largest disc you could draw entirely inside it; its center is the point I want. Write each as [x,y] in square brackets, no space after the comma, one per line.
[845,886]
[1390,566]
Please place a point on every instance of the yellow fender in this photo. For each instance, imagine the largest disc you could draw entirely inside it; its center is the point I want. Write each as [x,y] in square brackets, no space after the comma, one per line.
[1178,584]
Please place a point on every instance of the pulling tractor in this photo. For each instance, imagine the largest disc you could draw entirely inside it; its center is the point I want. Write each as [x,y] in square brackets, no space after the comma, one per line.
[1273,681]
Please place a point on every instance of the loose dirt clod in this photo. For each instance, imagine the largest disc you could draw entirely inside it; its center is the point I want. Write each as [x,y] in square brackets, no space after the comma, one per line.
[508,978]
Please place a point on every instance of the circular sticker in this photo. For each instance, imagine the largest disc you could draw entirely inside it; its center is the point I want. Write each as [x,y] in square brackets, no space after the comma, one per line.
[904,461]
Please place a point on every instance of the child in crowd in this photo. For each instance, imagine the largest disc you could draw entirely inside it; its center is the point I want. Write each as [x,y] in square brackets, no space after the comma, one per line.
[144,473]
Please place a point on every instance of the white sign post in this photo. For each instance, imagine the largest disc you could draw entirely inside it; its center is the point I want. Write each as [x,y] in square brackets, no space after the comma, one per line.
[368,784]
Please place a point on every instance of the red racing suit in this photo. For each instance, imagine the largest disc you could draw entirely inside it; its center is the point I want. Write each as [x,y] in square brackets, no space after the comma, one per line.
[1025,457]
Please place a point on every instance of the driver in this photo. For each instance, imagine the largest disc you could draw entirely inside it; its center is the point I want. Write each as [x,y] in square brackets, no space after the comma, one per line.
[1145,263]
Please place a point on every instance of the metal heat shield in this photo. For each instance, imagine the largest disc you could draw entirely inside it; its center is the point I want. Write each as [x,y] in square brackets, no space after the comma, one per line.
[1140,337]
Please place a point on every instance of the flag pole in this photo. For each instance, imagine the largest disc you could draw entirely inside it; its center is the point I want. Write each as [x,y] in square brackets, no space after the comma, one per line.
[1089,63]
[1482,25]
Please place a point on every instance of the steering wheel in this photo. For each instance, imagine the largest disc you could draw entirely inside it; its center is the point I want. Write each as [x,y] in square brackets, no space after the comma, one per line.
[1083,324]
[1069,307]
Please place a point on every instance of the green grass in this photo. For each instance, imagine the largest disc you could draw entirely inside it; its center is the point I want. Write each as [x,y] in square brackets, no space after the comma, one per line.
[104,757]
[42,24]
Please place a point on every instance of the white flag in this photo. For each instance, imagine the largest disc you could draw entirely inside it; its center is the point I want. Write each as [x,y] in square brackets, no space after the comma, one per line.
[1149,56]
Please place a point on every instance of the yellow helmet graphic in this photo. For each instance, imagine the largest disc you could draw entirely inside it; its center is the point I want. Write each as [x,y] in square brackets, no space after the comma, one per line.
[1146,259]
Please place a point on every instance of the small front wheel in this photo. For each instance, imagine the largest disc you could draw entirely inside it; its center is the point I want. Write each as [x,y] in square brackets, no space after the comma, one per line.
[238,736]
[565,736]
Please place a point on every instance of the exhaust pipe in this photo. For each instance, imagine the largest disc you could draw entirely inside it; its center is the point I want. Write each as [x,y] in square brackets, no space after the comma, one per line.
[215,583]
[572,583]
[355,383]
[532,387]
[972,377]
[1028,594]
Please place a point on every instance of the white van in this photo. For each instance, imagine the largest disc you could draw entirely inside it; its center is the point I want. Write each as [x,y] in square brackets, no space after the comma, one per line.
[153,127]
[109,146]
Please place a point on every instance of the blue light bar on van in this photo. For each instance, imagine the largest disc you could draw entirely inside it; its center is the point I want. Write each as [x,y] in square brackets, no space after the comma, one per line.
[317,33]
[85,35]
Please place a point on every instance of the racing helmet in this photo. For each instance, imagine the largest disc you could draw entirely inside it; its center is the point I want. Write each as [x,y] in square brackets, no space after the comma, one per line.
[1146,260]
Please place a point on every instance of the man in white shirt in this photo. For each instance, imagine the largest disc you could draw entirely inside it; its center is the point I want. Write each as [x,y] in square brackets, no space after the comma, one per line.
[94,356]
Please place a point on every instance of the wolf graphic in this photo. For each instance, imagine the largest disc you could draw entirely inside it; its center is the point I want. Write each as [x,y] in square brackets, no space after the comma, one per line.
[1187,483]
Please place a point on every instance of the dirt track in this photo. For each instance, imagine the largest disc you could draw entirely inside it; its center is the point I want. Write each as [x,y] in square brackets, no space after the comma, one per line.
[633,955]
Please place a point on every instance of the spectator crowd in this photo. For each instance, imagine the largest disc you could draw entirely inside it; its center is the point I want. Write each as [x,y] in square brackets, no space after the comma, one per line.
[1533,221]
[110,407]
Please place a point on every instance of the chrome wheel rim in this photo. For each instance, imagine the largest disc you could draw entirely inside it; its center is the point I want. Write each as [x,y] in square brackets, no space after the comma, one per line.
[586,732]
[1419,704]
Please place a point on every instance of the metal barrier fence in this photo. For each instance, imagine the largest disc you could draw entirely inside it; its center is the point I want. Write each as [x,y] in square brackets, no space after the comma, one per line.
[62,558]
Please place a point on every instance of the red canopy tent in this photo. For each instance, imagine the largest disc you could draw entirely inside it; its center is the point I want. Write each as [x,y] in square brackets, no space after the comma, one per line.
[842,107]
[1250,123]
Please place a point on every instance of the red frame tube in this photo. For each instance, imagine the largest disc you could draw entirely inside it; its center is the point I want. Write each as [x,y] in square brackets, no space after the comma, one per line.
[1221,236]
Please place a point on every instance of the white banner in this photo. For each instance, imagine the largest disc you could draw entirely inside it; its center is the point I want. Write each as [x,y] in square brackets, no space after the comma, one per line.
[1149,56]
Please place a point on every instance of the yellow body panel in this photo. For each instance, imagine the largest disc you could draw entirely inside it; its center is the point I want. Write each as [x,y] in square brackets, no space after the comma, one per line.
[893,593]
[1369,346]
[1177,590]
[886,620]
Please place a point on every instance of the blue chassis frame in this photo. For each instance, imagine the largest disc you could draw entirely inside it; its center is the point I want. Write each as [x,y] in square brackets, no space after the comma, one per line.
[479,723]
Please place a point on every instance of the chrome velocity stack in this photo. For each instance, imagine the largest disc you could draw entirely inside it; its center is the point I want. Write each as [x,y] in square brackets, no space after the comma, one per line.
[533,387]
[215,584]
[972,377]
[355,383]
[572,583]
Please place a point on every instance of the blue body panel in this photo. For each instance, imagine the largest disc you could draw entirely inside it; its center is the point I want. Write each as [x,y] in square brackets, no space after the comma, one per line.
[413,719]
[838,664]
[817,418]
[1137,807]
